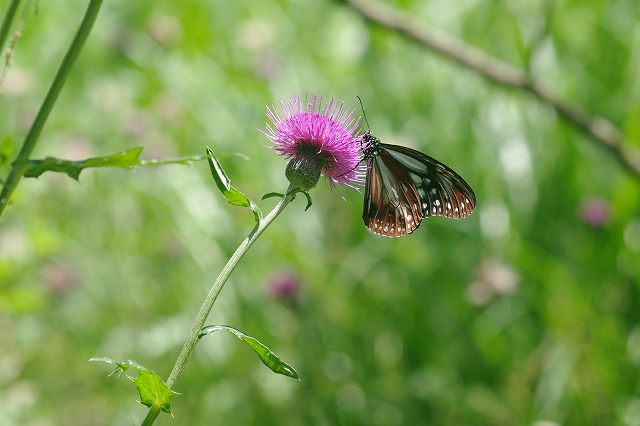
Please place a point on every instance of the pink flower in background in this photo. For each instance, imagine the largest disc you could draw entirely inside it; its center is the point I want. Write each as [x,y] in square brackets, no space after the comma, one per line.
[493,279]
[60,277]
[284,284]
[596,212]
[318,139]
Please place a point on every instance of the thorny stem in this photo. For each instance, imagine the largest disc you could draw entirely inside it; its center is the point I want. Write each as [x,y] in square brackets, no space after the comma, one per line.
[216,288]
[20,165]
[599,129]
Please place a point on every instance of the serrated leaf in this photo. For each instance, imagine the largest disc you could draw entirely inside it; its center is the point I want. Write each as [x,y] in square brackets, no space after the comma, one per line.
[6,148]
[123,160]
[269,359]
[153,391]
[232,195]
[123,365]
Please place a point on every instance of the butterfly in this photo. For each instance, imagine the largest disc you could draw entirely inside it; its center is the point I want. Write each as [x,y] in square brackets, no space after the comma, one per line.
[403,186]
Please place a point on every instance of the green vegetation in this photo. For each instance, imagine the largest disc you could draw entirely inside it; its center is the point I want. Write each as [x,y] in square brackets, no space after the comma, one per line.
[527,312]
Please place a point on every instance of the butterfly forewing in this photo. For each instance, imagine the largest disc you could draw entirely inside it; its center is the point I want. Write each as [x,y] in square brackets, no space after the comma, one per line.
[404,185]
[442,191]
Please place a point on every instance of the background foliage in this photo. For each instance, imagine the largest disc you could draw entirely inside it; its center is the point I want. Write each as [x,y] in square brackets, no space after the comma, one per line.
[526,312]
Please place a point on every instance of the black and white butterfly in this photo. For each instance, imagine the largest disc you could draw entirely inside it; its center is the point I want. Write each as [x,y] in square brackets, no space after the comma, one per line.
[403,186]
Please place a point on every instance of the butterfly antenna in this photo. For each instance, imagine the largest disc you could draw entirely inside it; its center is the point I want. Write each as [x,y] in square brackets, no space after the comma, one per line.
[363,113]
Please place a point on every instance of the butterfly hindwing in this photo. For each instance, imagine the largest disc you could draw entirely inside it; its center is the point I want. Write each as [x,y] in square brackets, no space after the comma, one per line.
[403,186]
[392,203]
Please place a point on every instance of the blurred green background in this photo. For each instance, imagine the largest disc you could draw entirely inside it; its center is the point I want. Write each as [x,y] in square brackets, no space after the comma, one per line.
[526,313]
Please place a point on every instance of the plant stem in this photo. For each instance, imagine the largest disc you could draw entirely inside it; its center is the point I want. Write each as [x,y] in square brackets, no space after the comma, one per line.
[192,338]
[151,416]
[7,21]
[20,165]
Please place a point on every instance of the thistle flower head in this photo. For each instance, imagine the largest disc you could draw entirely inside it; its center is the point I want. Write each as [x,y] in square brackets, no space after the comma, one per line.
[318,139]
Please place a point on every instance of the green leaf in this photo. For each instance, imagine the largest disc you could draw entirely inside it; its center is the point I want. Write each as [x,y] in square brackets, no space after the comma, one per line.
[272,194]
[269,359]
[293,193]
[124,160]
[231,194]
[306,194]
[153,391]
[122,365]
[6,148]
[236,198]
[187,160]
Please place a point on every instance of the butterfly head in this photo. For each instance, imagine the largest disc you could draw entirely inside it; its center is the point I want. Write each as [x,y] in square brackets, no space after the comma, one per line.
[370,145]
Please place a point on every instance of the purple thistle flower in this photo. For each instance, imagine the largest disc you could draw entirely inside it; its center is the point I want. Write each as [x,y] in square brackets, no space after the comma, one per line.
[318,140]
[284,285]
[596,212]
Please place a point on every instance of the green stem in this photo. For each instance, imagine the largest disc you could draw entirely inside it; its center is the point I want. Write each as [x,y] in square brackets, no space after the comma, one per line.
[192,338]
[20,165]
[154,411]
[7,21]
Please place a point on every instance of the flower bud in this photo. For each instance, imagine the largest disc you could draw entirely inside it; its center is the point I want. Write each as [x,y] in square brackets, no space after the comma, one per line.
[304,169]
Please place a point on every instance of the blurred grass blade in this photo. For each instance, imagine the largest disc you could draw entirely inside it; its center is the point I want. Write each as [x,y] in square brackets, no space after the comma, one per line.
[6,148]
[269,359]
[231,194]
[153,391]
[123,160]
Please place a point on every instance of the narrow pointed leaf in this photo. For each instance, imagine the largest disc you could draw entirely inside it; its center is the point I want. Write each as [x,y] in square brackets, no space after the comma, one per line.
[6,148]
[123,160]
[231,194]
[123,365]
[269,359]
[219,176]
[309,202]
[306,194]
[272,194]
